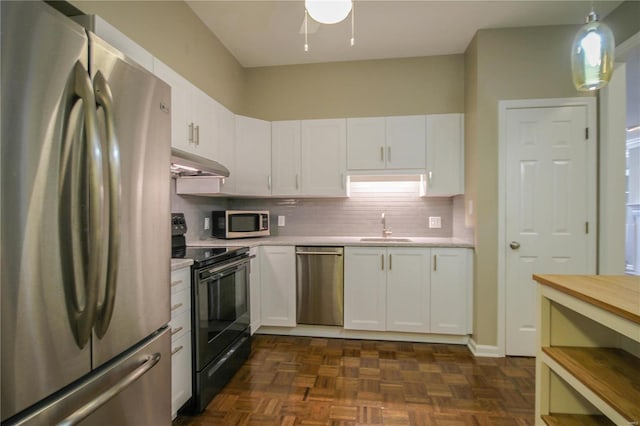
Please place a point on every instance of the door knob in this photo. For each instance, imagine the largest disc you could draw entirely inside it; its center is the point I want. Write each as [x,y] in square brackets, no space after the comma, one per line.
[514,245]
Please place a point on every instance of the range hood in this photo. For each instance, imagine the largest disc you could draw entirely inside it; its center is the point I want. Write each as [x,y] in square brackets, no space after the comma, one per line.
[185,164]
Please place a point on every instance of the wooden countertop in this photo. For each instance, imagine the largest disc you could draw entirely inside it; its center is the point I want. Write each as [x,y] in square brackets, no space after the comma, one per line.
[618,294]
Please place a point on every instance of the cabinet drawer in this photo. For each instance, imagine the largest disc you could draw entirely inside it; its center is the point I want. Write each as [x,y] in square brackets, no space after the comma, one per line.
[180,372]
[180,324]
[180,302]
[180,279]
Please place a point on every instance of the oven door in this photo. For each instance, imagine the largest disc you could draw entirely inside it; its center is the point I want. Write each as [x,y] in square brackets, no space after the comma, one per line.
[221,311]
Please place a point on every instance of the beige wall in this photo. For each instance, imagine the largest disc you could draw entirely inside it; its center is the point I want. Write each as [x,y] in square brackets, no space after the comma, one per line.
[624,20]
[518,63]
[355,89]
[174,34]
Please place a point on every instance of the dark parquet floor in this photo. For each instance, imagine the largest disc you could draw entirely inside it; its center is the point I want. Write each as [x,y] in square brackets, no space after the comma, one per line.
[317,381]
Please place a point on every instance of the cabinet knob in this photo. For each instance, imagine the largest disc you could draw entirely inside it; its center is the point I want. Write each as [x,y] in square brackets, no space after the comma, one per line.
[514,245]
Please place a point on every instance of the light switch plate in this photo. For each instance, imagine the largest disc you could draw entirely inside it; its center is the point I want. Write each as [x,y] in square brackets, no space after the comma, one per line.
[435,222]
[280,220]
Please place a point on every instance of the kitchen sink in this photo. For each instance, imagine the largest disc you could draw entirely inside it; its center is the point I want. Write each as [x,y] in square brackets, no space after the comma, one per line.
[385,240]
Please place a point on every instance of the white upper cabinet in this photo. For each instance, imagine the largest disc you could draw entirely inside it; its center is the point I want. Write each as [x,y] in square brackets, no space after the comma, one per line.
[393,143]
[323,148]
[366,143]
[227,147]
[445,154]
[406,142]
[252,157]
[285,158]
[193,114]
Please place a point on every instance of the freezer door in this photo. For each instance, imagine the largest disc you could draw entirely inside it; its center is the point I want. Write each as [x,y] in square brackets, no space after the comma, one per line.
[134,115]
[134,389]
[46,323]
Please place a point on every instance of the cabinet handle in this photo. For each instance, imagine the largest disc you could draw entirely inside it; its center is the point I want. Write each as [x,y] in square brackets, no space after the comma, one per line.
[382,153]
[297,181]
[390,262]
[382,262]
[176,350]
[176,283]
[198,135]
[430,177]
[435,262]
[176,330]
[190,133]
[388,154]
[176,306]
[269,182]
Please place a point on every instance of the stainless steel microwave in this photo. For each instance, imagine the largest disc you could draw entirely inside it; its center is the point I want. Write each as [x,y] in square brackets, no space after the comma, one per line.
[239,223]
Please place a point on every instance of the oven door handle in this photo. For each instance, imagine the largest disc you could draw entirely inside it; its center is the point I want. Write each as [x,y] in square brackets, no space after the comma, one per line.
[222,269]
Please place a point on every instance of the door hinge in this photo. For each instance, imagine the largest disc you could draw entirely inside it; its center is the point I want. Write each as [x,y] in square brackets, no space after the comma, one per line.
[586,227]
[586,133]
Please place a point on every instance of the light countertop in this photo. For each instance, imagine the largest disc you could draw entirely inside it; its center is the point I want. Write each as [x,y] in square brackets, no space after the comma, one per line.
[180,263]
[333,241]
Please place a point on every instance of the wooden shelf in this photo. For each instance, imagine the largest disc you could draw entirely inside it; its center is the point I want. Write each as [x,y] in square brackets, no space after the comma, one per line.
[576,420]
[612,374]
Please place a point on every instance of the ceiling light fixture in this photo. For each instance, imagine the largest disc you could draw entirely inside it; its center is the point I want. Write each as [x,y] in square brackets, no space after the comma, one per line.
[328,12]
[592,54]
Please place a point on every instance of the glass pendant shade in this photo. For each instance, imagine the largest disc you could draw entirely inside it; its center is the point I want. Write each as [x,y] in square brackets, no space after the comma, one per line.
[328,11]
[592,54]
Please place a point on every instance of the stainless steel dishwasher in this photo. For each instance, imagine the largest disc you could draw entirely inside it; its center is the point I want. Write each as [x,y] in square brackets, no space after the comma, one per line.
[320,285]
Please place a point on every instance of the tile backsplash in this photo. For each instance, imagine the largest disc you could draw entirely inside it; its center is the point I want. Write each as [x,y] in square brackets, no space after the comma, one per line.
[359,215]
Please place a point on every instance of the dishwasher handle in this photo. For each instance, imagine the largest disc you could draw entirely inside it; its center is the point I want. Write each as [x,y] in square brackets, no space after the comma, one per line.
[322,253]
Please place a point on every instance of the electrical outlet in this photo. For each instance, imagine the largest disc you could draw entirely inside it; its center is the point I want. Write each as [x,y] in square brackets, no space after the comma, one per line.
[207,223]
[280,220]
[435,222]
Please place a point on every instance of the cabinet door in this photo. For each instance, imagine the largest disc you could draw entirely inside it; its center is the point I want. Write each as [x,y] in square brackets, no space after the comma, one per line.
[406,142]
[324,145]
[253,156]
[366,146]
[278,285]
[285,157]
[227,147]
[255,290]
[450,290]
[180,372]
[365,288]
[204,111]
[181,125]
[408,289]
[445,154]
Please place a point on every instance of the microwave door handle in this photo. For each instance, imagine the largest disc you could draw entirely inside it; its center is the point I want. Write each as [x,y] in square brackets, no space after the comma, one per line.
[104,98]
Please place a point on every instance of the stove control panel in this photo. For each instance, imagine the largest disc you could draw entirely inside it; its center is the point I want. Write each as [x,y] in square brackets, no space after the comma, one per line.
[178,224]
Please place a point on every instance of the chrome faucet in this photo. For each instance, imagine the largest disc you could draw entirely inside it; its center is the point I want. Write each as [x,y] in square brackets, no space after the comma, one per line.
[385,232]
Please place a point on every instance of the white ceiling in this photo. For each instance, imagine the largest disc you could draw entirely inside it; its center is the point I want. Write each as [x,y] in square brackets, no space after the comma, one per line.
[266,33]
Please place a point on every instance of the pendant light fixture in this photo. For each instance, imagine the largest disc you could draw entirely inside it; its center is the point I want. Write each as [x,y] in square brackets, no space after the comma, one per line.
[328,12]
[592,54]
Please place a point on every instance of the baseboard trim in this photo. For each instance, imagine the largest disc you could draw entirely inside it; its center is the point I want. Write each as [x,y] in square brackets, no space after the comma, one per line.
[341,333]
[483,350]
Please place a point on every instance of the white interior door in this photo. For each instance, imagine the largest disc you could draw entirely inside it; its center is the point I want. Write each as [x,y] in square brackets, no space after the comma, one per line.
[549,199]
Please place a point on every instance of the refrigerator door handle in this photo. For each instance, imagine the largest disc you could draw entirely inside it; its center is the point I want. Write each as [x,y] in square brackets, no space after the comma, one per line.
[91,406]
[104,98]
[81,315]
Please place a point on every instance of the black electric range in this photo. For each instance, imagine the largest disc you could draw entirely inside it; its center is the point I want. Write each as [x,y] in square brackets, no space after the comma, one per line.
[202,256]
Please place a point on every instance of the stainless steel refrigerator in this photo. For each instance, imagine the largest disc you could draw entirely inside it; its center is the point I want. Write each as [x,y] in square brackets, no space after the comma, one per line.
[85,245]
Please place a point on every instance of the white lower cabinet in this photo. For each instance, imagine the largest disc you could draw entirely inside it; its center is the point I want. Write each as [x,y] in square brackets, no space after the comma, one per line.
[386,289]
[450,291]
[278,285]
[180,325]
[255,303]
[399,289]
